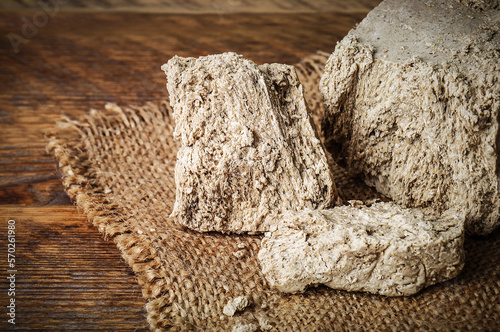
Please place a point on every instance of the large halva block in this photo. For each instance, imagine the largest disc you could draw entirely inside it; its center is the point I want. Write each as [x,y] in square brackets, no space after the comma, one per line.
[412,98]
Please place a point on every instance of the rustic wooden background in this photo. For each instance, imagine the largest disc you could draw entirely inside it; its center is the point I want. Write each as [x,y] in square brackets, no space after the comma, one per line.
[79,56]
[200,6]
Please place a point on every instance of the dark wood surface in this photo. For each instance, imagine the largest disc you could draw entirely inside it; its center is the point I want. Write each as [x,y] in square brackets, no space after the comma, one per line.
[68,277]
[197,6]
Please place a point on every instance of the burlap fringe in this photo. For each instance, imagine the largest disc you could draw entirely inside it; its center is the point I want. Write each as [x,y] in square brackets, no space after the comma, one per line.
[70,144]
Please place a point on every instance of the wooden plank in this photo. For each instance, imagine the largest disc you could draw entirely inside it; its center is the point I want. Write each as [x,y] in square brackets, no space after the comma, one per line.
[67,276]
[196,6]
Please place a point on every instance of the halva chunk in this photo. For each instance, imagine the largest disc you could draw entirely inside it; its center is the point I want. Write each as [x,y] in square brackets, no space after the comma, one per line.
[248,145]
[382,249]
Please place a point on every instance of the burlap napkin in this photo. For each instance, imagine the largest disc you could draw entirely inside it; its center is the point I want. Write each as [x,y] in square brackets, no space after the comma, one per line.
[118,166]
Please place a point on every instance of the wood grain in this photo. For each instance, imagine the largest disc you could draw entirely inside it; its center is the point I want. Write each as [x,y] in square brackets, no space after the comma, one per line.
[198,6]
[69,277]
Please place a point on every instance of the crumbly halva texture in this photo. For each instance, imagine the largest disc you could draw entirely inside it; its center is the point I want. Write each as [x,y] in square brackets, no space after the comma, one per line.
[382,249]
[248,145]
[237,304]
[241,327]
[412,99]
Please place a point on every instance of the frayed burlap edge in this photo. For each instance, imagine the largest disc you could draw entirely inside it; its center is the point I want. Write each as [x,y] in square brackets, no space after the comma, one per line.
[70,143]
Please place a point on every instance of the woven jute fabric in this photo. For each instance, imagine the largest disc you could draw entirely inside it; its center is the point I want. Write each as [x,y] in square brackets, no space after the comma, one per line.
[118,166]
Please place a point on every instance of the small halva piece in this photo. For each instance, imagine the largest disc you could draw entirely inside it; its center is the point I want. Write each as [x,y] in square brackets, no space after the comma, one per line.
[382,249]
[241,327]
[237,304]
[412,99]
[248,146]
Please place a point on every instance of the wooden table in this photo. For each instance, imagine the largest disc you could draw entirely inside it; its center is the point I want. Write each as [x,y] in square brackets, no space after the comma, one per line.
[66,275]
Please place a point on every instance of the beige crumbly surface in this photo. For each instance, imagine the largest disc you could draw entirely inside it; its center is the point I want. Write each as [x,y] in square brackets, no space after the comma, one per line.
[412,99]
[244,327]
[382,249]
[248,145]
[237,304]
